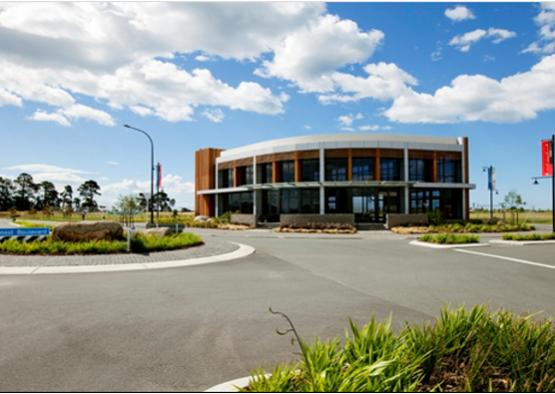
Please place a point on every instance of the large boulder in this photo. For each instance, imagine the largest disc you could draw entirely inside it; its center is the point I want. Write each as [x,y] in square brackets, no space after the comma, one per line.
[88,231]
[157,231]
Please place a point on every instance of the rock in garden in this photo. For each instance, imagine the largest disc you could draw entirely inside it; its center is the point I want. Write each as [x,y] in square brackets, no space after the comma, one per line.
[201,218]
[88,231]
[157,231]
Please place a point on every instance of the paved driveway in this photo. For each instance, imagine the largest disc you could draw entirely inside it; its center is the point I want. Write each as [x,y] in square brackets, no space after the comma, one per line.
[190,328]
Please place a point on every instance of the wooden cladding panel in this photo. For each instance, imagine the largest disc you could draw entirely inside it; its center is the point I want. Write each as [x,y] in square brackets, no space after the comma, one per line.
[392,153]
[350,165]
[367,152]
[205,161]
[377,175]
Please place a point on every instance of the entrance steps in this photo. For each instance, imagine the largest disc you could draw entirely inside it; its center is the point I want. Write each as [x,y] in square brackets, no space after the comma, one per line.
[371,226]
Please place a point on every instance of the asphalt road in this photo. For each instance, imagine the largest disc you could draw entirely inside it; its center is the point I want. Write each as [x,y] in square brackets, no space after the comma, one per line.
[191,328]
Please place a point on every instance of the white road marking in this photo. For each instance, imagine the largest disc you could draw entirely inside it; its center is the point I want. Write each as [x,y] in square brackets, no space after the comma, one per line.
[495,256]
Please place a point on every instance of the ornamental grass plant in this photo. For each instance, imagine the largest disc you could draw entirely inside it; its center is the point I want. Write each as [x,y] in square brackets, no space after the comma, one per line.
[529,237]
[447,238]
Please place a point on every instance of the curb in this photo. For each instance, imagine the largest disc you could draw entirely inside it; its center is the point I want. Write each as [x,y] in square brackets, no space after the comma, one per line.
[520,243]
[232,386]
[443,246]
[243,251]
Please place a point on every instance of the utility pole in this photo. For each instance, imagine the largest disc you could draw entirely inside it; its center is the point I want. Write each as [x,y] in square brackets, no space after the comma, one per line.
[491,187]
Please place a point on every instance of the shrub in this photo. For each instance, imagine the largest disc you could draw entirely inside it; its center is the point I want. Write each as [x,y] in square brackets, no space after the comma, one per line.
[462,351]
[529,237]
[446,238]
[139,244]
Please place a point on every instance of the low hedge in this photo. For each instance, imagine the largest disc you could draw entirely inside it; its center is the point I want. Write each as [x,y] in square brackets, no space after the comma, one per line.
[139,244]
[464,228]
[450,238]
[471,351]
[529,237]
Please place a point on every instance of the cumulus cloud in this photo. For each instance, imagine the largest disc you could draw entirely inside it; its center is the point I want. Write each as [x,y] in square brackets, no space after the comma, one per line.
[74,112]
[459,13]
[464,41]
[47,172]
[121,53]
[42,116]
[546,23]
[215,115]
[346,121]
[374,127]
[305,58]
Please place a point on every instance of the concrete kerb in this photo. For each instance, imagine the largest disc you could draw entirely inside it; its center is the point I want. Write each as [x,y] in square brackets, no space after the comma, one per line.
[242,251]
[445,246]
[520,243]
[232,386]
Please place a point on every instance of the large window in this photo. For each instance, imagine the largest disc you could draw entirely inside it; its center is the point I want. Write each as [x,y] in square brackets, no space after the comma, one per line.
[289,201]
[299,201]
[287,171]
[237,202]
[310,170]
[390,169]
[449,170]
[419,170]
[336,169]
[447,201]
[310,200]
[245,175]
[338,200]
[363,169]
[225,178]
[265,172]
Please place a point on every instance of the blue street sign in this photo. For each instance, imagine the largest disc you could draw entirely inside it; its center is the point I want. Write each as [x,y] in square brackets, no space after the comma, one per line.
[24,232]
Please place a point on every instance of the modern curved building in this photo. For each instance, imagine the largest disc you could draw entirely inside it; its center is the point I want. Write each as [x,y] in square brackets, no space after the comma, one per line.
[366,175]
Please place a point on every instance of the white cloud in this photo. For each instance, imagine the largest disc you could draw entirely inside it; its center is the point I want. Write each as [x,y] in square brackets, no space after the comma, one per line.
[42,116]
[112,163]
[374,127]
[464,41]
[305,56]
[46,172]
[546,23]
[479,98]
[107,51]
[307,127]
[346,121]
[459,13]
[215,115]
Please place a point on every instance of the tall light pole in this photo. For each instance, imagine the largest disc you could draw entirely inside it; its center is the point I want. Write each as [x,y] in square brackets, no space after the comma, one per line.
[150,205]
[552,160]
[491,187]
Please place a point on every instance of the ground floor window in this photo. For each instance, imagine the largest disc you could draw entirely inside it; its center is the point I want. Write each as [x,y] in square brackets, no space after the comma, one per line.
[369,204]
[236,202]
[299,201]
[447,201]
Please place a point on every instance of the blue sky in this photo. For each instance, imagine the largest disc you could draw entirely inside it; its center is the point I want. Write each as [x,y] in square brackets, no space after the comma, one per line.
[224,75]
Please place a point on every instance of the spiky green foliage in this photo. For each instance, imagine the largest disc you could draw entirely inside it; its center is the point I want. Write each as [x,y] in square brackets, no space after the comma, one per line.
[464,350]
[529,237]
[447,238]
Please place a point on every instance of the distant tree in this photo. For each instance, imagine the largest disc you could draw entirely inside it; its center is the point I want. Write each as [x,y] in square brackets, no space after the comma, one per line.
[143,201]
[6,194]
[25,192]
[88,191]
[77,204]
[514,202]
[48,196]
[127,207]
[66,197]
[162,200]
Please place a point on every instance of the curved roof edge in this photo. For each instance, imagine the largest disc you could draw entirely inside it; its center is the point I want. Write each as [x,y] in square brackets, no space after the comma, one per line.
[330,141]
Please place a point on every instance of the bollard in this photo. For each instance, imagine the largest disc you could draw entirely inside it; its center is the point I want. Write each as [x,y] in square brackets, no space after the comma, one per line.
[129,240]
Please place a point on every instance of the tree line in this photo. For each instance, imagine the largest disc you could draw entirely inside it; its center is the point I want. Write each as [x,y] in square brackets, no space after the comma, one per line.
[24,194]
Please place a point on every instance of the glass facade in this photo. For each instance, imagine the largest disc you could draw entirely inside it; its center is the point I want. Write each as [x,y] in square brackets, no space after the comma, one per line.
[336,170]
[245,175]
[236,202]
[287,171]
[299,201]
[363,169]
[265,173]
[225,178]
[449,170]
[390,169]
[420,170]
[310,170]
[447,201]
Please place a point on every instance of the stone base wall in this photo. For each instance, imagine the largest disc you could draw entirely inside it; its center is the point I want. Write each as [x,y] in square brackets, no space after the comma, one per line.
[243,218]
[406,219]
[303,219]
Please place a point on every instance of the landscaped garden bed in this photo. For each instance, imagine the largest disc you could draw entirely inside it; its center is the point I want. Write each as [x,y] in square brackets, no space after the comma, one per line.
[462,351]
[450,239]
[140,243]
[464,228]
[529,237]
[319,228]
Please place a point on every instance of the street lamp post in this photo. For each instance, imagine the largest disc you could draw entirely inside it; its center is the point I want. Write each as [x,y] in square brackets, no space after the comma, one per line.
[150,205]
[552,181]
[491,187]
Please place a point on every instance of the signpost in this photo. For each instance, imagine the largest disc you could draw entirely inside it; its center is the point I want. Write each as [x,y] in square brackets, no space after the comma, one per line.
[24,232]
[491,187]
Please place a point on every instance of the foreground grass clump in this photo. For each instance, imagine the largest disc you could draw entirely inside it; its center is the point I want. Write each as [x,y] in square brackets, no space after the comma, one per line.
[462,351]
[34,225]
[529,237]
[139,244]
[450,238]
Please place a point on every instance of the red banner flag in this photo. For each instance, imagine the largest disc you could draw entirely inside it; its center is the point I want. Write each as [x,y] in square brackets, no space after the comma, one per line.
[547,159]
[159,176]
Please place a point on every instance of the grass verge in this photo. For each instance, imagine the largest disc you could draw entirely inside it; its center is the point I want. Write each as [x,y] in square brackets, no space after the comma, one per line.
[462,351]
[529,237]
[139,244]
[450,239]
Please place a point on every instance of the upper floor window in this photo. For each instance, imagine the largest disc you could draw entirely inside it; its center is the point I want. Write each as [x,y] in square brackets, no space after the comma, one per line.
[363,169]
[336,169]
[287,171]
[310,170]
[249,179]
[265,173]
[419,170]
[390,169]
[225,178]
[449,170]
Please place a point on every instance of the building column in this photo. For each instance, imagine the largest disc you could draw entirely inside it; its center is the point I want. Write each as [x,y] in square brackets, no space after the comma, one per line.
[406,177]
[466,179]
[254,180]
[216,205]
[322,179]
[217,186]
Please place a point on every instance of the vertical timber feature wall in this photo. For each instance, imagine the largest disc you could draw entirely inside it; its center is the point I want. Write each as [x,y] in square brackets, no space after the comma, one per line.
[205,167]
